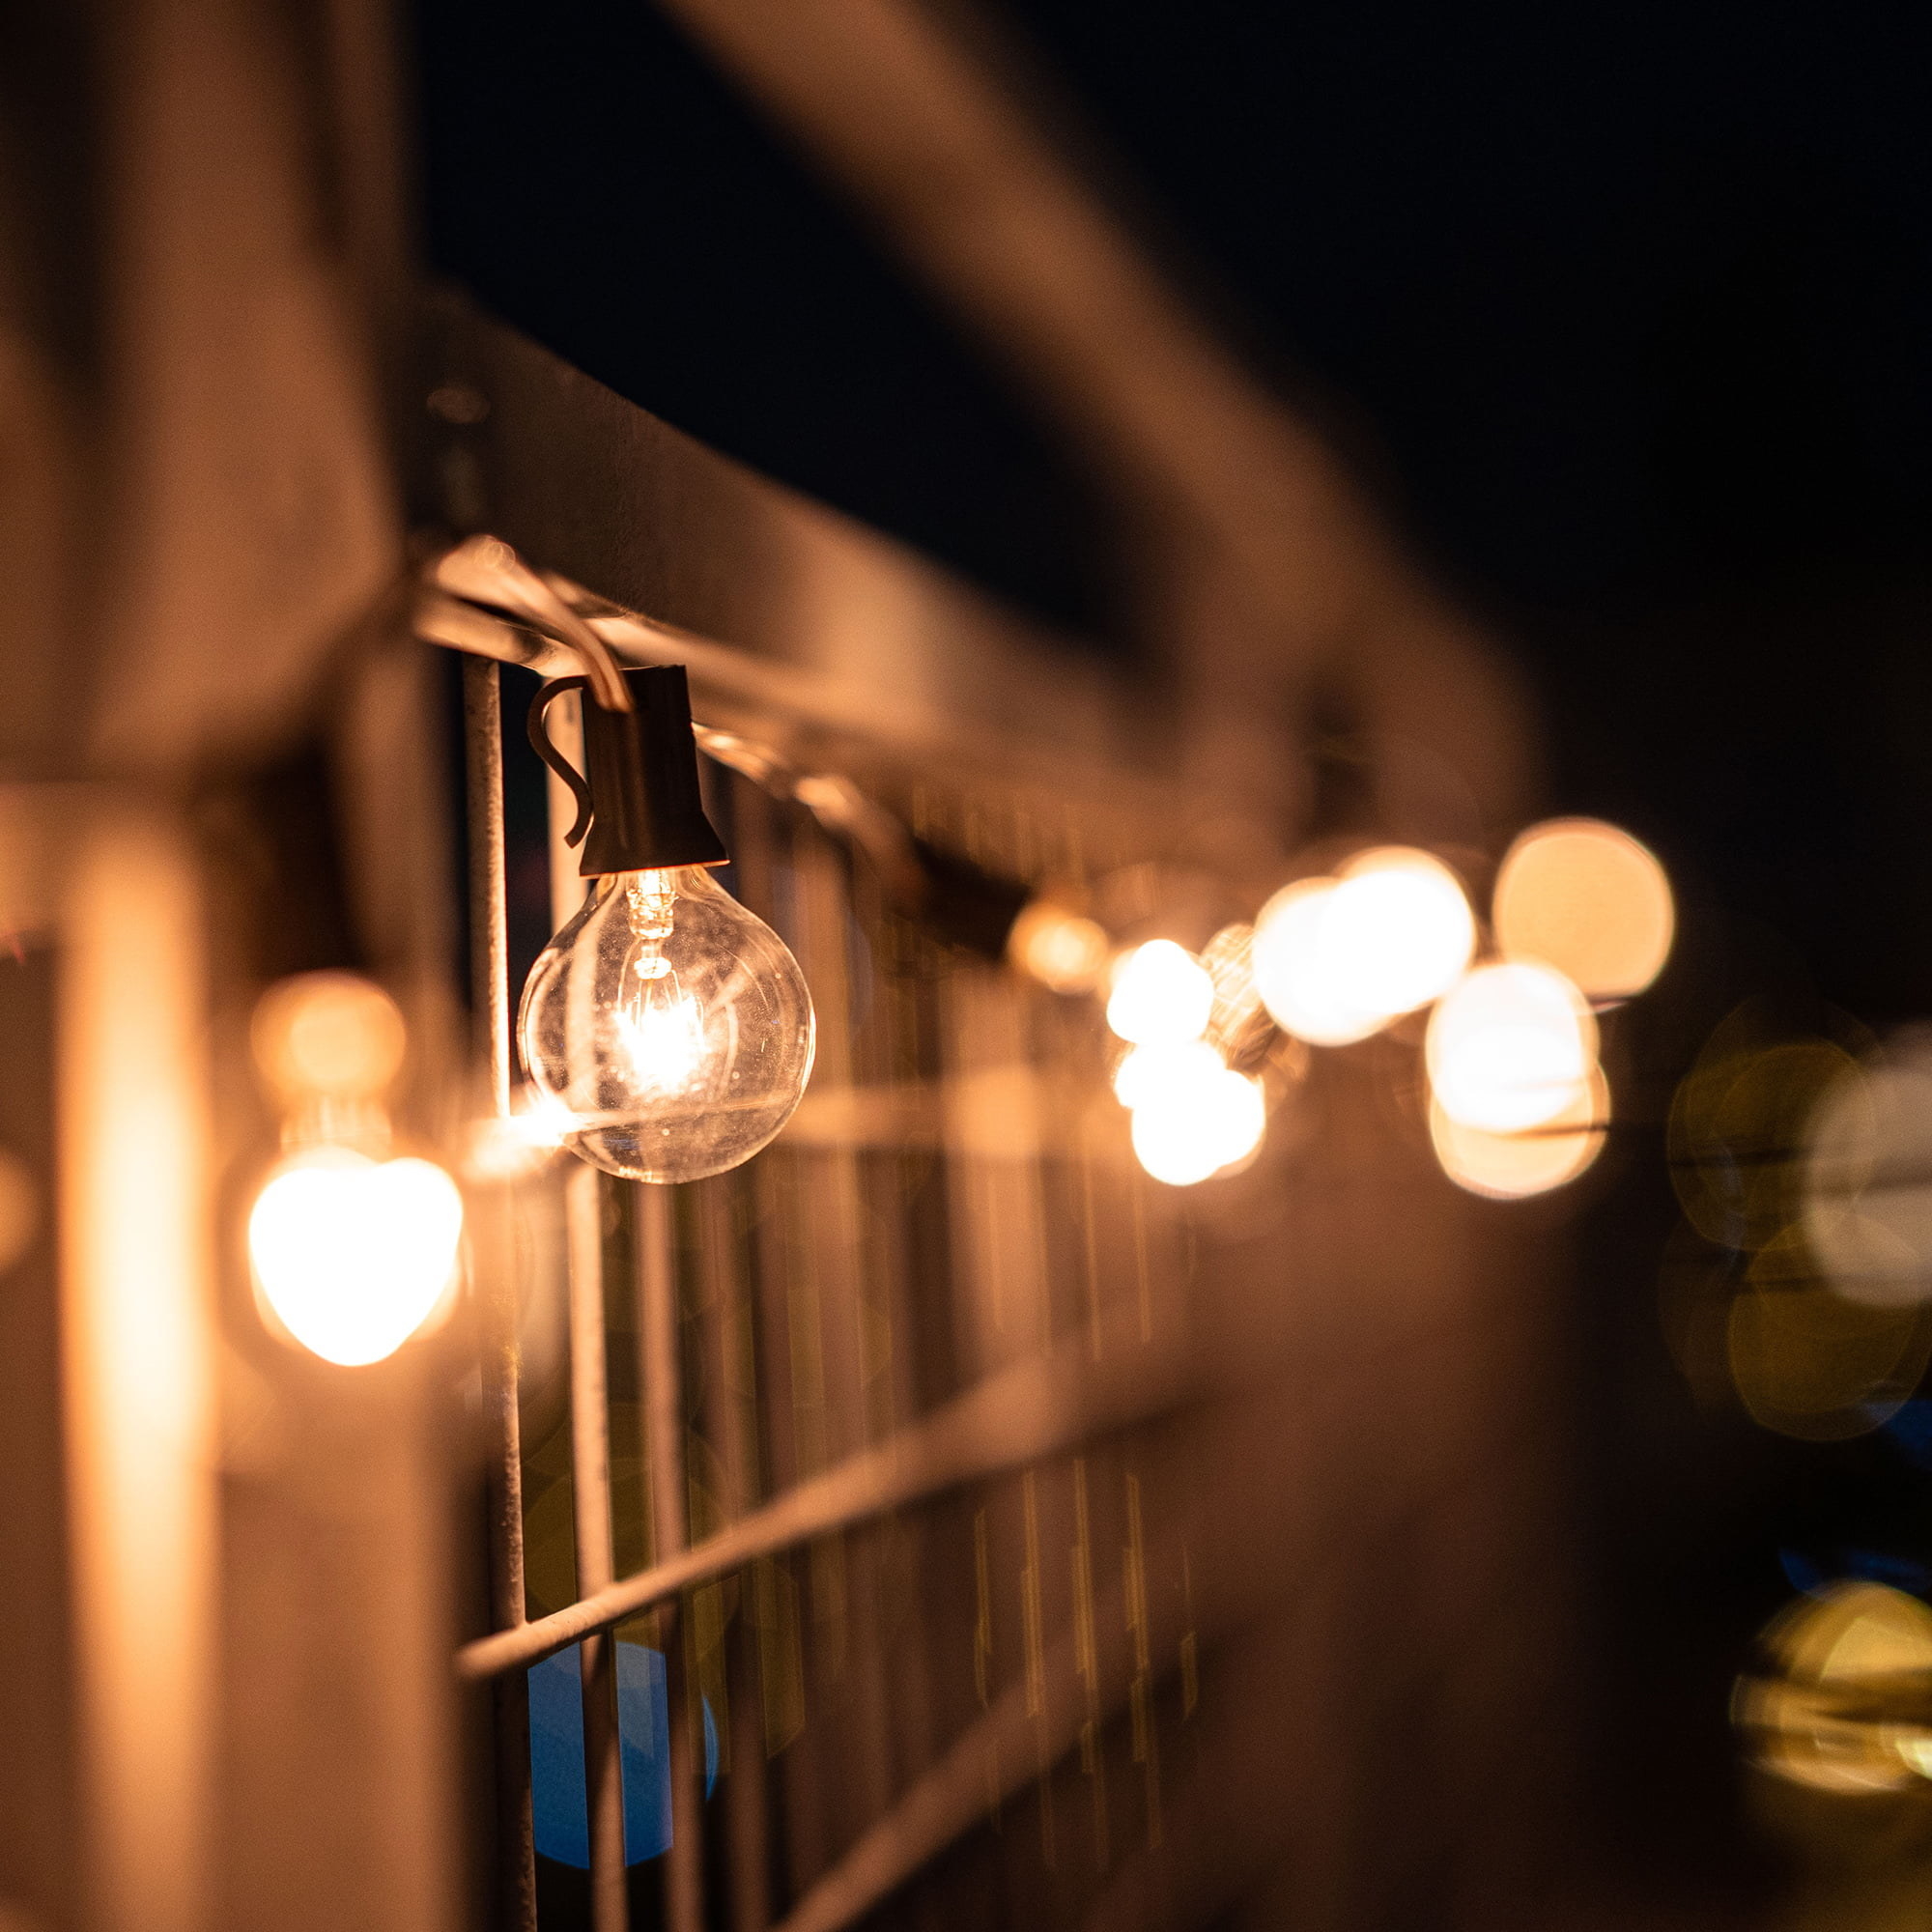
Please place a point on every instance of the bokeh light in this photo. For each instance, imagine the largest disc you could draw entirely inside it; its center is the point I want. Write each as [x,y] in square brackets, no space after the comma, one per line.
[1509,1047]
[1397,930]
[353,1255]
[1063,951]
[1239,1022]
[1337,958]
[1512,1167]
[1163,1070]
[1589,901]
[1807,1363]
[1296,975]
[1160,992]
[1867,1178]
[327,1036]
[1738,1125]
[1839,1704]
[1198,1124]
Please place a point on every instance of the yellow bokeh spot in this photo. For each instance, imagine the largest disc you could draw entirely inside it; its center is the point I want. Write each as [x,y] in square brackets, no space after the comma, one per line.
[1062,950]
[1844,1702]
[1806,1362]
[327,1036]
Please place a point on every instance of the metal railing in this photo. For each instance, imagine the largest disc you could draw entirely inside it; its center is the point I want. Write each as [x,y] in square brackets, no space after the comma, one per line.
[948,1271]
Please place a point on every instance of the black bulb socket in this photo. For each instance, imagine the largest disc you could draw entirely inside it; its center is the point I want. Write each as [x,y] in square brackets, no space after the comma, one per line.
[639,805]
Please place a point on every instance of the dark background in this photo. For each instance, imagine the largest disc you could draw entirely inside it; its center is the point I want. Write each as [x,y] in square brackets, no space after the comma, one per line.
[1624,312]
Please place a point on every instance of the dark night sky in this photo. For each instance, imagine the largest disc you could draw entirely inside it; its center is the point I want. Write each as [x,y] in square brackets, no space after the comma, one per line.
[1625,310]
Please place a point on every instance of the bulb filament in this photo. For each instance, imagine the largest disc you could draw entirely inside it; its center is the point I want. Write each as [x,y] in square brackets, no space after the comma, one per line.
[661,1030]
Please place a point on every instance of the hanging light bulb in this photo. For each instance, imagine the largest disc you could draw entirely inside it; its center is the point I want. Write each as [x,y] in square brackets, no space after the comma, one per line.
[1062,949]
[1337,958]
[1509,1047]
[1160,992]
[1196,1116]
[669,1024]
[353,1247]
[353,1254]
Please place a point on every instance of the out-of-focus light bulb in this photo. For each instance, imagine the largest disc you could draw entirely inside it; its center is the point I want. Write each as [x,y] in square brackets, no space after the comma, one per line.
[1151,1075]
[353,1254]
[1294,973]
[1509,1047]
[671,1026]
[1064,952]
[1160,992]
[1198,1122]
[1397,930]
[1591,901]
[1512,1167]
[1335,959]
[327,1036]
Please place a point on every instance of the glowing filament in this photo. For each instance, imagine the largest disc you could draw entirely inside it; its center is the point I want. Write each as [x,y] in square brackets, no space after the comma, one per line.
[661,1030]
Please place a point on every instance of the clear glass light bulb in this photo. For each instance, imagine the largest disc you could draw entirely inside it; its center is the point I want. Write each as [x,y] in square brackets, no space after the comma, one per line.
[672,1024]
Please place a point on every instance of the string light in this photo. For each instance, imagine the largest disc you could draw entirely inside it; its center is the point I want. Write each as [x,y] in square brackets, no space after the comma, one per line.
[1063,951]
[352,1248]
[1153,1075]
[1590,900]
[1336,960]
[1512,1167]
[353,1254]
[1509,1047]
[667,1027]
[1200,1118]
[1160,993]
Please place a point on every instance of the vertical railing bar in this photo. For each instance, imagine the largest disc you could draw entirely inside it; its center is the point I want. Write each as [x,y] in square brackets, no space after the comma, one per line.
[660,1383]
[727,1310]
[489,992]
[596,1562]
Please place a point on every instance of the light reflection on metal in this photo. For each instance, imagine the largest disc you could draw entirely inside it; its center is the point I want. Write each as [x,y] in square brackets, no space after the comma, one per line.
[1017,1417]
[486,570]
[499,1153]
[592,1521]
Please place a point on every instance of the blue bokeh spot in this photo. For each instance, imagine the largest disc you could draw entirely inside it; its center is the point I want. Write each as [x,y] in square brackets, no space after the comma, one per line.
[558,1799]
